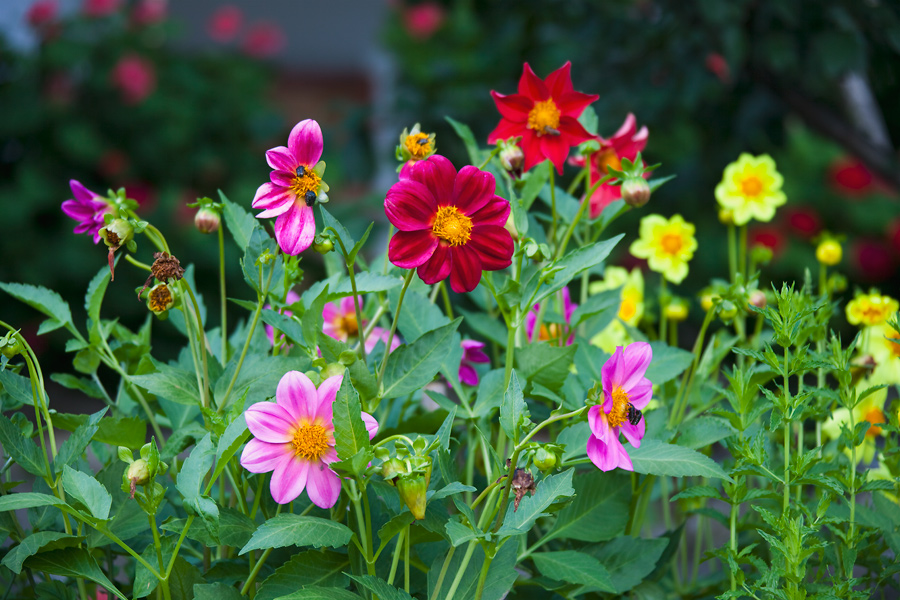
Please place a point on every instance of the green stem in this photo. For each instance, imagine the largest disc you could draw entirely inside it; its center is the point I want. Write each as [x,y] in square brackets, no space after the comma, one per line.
[742,253]
[732,252]
[663,300]
[493,153]
[479,591]
[256,568]
[440,580]
[222,297]
[687,380]
[787,435]
[448,308]
[138,263]
[164,582]
[396,560]
[356,304]
[733,542]
[462,567]
[406,282]
[571,229]
[406,561]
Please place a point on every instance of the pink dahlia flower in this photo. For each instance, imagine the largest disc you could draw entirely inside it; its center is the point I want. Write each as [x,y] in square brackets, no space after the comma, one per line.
[625,391]
[545,113]
[87,208]
[42,12]
[473,352]
[341,324]
[294,187]
[550,331]
[625,143]
[294,438]
[380,334]
[450,224]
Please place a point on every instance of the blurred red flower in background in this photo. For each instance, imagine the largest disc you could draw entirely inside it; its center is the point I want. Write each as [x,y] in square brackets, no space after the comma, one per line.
[718,66]
[41,13]
[112,164]
[149,12]
[803,221]
[894,235]
[100,8]
[263,39]
[771,237]
[850,177]
[225,23]
[422,20]
[135,78]
[872,259]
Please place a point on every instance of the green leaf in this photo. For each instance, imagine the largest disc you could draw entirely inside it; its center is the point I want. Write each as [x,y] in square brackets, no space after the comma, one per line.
[229,443]
[116,431]
[258,378]
[381,588]
[545,364]
[240,223]
[190,482]
[28,500]
[460,534]
[86,386]
[312,320]
[390,529]
[328,220]
[88,491]
[629,560]
[235,528]
[468,139]
[350,434]
[75,445]
[657,458]
[351,257]
[306,569]
[599,511]
[668,362]
[698,491]
[513,411]
[33,544]
[411,367]
[531,508]
[17,386]
[574,263]
[72,562]
[22,450]
[294,530]
[286,325]
[320,593]
[170,382]
[572,566]
[489,394]
[535,181]
[94,296]
[47,301]
[500,576]
[703,431]
[366,283]
[215,591]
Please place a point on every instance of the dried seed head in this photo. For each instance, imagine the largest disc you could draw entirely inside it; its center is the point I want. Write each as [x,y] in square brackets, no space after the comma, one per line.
[160,298]
[166,267]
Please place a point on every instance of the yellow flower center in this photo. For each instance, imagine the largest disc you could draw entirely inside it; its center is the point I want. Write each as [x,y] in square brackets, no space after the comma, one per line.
[671,243]
[452,226]
[544,117]
[347,323]
[619,412]
[628,308]
[160,298]
[751,186]
[874,416]
[892,340]
[306,181]
[418,145]
[606,159]
[310,442]
[548,332]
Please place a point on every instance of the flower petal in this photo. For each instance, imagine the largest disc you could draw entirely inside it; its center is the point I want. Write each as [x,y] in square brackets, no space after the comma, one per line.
[80,192]
[572,104]
[371,425]
[603,455]
[598,423]
[270,196]
[289,479]
[295,230]
[636,359]
[270,422]
[410,206]
[533,150]
[513,107]
[262,457]
[641,393]
[559,82]
[468,375]
[494,246]
[556,149]
[634,433]
[473,189]
[305,142]
[327,393]
[281,159]
[410,249]
[531,85]
[465,268]
[495,212]
[323,486]
[624,459]
[436,268]
[438,175]
[506,129]
[297,395]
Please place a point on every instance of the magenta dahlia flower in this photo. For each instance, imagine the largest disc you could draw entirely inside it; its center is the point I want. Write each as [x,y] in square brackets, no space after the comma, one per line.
[550,331]
[626,391]
[450,224]
[294,187]
[473,352]
[340,323]
[87,208]
[545,114]
[294,438]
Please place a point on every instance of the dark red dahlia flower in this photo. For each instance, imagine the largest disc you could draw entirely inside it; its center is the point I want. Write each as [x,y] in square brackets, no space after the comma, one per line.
[545,113]
[450,224]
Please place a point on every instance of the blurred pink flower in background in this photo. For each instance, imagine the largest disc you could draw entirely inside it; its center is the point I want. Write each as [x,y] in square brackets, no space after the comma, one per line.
[850,177]
[423,19]
[718,66]
[112,164]
[134,77]
[149,12]
[803,221]
[872,259]
[42,13]
[473,352]
[225,23]
[59,89]
[263,39]
[100,8]
[771,237]
[291,298]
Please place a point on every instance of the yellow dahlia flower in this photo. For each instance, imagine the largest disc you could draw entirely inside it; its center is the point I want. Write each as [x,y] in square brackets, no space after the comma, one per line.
[871,309]
[871,409]
[751,189]
[631,308]
[667,244]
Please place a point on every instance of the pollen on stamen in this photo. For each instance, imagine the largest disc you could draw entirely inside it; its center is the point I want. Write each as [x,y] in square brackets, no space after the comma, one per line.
[310,442]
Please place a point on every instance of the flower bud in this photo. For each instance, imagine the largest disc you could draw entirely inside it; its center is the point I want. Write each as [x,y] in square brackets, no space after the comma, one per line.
[392,468]
[757,298]
[677,310]
[138,473]
[635,191]
[323,245]
[511,226]
[413,489]
[726,216]
[837,283]
[333,369]
[512,159]
[706,300]
[727,310]
[761,254]
[9,345]
[161,298]
[829,252]
[544,459]
[117,233]
[207,220]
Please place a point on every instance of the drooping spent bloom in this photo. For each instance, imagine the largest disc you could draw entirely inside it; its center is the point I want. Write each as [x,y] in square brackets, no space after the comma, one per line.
[871,309]
[450,224]
[545,114]
[294,438]
[667,244]
[292,297]
[550,331]
[473,353]
[625,143]
[625,390]
[296,185]
[340,323]
[135,78]
[87,208]
[415,145]
[751,188]
[225,23]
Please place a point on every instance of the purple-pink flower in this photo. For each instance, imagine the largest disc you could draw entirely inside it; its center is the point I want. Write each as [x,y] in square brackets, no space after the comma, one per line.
[294,187]
[550,332]
[87,208]
[626,391]
[294,438]
[341,324]
[472,353]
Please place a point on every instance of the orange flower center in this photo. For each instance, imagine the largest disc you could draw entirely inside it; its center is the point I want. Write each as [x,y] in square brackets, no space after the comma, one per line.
[628,308]
[549,332]
[452,226]
[544,117]
[347,323]
[606,159]
[310,442]
[619,412]
[751,186]
[306,181]
[874,417]
[418,145]
[893,343]
[671,243]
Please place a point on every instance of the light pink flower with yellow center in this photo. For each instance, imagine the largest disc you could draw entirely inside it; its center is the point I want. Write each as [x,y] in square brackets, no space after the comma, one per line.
[294,438]
[340,322]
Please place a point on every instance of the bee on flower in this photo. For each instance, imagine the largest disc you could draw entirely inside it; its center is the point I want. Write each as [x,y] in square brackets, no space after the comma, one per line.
[667,244]
[415,145]
[751,189]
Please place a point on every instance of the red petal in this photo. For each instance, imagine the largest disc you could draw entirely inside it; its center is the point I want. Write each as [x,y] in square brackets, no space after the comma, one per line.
[505,130]
[438,266]
[409,205]
[473,189]
[572,104]
[409,249]
[560,81]
[494,245]
[531,85]
[572,132]
[465,269]
[556,149]
[514,107]
[438,175]
[531,147]
[495,212]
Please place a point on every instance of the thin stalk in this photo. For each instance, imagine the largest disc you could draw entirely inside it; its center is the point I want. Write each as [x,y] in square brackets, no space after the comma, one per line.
[742,252]
[687,380]
[462,568]
[733,541]
[479,591]
[787,436]
[663,295]
[448,308]
[409,276]
[440,580]
[732,252]
[164,582]
[396,560]
[222,297]
[584,205]
[406,562]
[356,303]
[256,568]
[493,153]
[852,483]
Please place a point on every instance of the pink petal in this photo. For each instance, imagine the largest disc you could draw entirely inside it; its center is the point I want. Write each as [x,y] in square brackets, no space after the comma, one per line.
[473,189]
[468,375]
[282,178]
[624,459]
[602,197]
[513,107]
[494,246]
[275,199]
[629,126]
[289,479]
[327,394]
[473,351]
[348,307]
[531,85]
[634,433]
[636,359]
[323,485]
[379,334]
[604,457]
[371,425]
[297,395]
[436,268]
[296,229]
[641,393]
[560,81]
[495,212]
[505,130]
[465,269]
[410,249]
[530,322]
[438,175]
[610,371]
[270,422]
[305,142]
[598,423]
[410,206]
[262,457]
[80,192]
[281,159]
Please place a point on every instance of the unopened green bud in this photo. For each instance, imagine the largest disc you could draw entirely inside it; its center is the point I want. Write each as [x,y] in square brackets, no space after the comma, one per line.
[138,472]
[413,489]
[392,468]
[635,191]
[544,459]
[125,455]
[9,345]
[512,158]
[207,220]
[332,369]
[323,245]
[727,310]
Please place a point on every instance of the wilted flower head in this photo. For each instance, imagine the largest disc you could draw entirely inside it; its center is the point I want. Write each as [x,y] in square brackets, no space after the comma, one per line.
[87,208]
[294,438]
[667,244]
[161,298]
[751,188]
